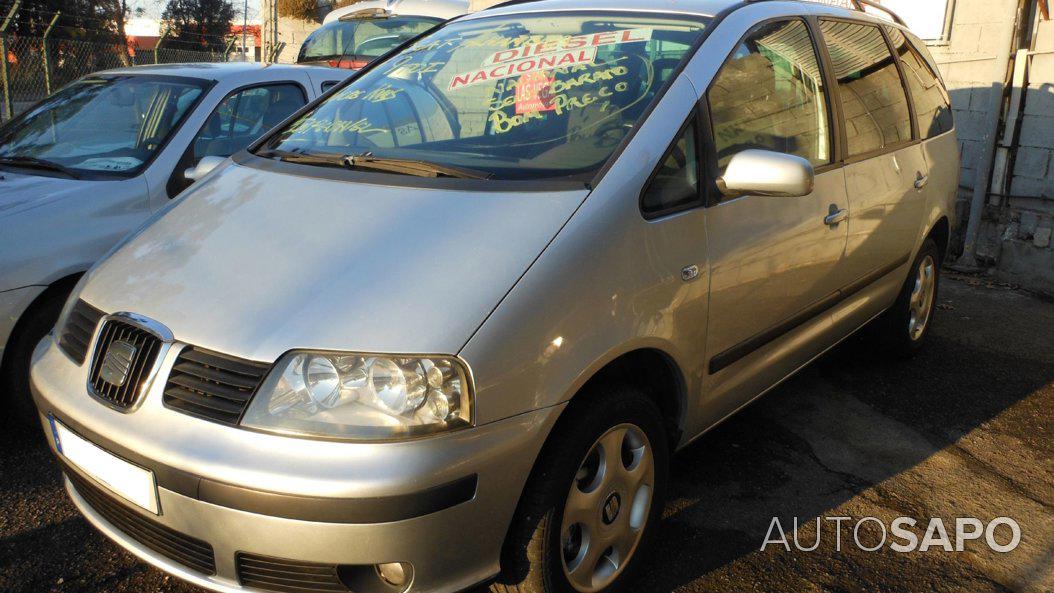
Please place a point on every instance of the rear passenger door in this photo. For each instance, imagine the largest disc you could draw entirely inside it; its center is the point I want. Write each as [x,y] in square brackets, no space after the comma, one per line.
[884,162]
[774,261]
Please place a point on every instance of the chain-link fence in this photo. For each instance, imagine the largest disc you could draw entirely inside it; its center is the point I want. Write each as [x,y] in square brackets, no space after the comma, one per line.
[35,67]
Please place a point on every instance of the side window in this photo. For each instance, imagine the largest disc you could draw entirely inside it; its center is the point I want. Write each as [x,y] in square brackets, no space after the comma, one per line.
[932,105]
[873,100]
[243,116]
[770,95]
[675,182]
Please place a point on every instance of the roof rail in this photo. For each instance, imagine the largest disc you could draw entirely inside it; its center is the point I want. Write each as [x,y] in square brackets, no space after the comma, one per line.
[860,5]
[508,3]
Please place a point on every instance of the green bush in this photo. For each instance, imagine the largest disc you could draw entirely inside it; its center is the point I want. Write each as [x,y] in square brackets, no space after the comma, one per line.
[301,9]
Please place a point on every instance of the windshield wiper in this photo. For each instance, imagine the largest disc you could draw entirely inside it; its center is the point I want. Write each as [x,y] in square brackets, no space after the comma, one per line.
[32,162]
[416,167]
[366,160]
[331,160]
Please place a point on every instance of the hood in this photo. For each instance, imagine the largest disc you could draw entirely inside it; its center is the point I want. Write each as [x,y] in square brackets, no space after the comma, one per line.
[20,192]
[254,263]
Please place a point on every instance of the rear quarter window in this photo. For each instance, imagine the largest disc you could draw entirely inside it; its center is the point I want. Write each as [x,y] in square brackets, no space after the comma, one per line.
[932,105]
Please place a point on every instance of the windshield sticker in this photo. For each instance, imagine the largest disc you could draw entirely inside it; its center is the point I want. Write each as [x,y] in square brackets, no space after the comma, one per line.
[385,92]
[509,69]
[311,124]
[568,43]
[122,163]
[534,92]
[407,67]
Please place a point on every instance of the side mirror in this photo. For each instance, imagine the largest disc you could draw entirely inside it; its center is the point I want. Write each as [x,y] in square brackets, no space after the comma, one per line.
[766,173]
[204,166]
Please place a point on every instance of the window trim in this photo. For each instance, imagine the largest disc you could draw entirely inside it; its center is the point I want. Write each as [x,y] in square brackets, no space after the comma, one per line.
[836,137]
[701,193]
[175,179]
[915,132]
[848,159]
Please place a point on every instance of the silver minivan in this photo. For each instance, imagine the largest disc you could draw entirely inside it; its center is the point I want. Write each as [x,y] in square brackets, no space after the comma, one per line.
[447,324]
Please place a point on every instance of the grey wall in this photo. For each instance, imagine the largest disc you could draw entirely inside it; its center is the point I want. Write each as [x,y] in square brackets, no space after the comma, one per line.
[1016,229]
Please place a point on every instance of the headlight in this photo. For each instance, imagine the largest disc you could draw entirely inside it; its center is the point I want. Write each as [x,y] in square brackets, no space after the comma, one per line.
[362,396]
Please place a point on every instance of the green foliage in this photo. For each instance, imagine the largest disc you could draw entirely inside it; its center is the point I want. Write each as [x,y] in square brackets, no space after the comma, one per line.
[306,10]
[83,20]
[199,24]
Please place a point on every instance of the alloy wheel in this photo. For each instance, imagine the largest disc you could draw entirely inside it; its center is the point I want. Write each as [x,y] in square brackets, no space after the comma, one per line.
[607,508]
[922,297]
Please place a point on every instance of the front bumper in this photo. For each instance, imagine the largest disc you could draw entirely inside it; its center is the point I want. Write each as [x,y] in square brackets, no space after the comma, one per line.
[245,492]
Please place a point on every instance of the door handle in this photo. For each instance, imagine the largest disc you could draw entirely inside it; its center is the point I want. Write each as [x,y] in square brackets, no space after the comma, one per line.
[836,216]
[921,181]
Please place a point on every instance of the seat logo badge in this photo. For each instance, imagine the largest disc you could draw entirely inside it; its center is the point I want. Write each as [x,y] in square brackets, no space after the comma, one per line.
[612,506]
[689,273]
[117,362]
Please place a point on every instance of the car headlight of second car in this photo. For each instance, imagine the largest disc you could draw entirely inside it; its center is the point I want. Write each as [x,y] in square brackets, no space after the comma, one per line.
[362,396]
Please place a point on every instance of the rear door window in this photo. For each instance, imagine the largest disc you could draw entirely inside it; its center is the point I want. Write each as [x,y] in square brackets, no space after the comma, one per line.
[932,105]
[769,95]
[873,100]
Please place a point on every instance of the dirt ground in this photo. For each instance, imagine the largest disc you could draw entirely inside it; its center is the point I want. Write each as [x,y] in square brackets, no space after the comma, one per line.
[966,429]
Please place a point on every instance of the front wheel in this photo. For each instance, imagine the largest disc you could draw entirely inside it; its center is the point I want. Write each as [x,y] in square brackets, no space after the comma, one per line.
[592,505]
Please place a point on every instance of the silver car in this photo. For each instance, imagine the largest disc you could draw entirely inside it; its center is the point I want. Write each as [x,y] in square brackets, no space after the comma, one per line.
[88,165]
[355,35]
[448,325]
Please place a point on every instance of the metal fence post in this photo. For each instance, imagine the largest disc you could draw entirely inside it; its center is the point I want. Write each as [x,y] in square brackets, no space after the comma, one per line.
[157,46]
[47,53]
[227,49]
[8,103]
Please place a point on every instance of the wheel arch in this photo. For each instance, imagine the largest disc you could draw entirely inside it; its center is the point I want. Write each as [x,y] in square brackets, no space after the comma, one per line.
[940,232]
[64,284]
[655,373]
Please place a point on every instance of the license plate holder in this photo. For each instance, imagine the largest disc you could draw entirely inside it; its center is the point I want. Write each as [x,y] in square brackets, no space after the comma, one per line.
[127,480]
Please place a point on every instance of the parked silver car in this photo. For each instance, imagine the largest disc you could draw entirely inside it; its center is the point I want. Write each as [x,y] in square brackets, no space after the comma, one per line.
[449,324]
[88,165]
[355,35]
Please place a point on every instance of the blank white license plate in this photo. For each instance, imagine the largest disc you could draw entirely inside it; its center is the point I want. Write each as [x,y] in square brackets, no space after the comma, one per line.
[129,481]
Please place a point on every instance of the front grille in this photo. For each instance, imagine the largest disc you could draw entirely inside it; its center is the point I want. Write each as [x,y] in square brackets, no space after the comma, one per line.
[123,358]
[76,333]
[211,385]
[188,551]
[277,574]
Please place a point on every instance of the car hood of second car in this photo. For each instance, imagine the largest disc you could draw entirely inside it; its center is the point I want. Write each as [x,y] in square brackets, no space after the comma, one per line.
[254,263]
[22,191]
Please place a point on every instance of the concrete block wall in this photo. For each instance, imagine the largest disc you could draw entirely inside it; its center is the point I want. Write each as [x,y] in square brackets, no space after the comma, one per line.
[969,66]
[1015,236]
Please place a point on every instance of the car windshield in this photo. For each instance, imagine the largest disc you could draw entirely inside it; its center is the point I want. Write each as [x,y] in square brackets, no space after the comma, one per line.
[112,124]
[357,41]
[522,97]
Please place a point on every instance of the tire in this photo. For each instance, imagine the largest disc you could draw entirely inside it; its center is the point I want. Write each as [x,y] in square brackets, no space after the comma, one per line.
[902,329]
[534,559]
[35,323]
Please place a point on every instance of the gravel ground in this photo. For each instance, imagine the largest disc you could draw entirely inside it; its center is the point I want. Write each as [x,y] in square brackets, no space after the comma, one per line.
[964,429]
